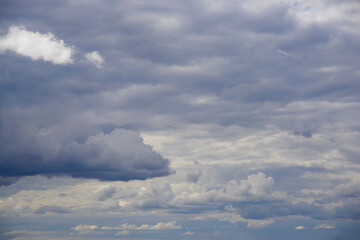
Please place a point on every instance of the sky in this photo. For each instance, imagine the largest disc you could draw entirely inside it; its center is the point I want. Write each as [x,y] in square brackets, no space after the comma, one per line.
[191,120]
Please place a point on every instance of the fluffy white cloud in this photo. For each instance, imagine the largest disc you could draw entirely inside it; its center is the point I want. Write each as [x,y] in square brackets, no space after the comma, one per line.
[95,58]
[36,46]
[254,185]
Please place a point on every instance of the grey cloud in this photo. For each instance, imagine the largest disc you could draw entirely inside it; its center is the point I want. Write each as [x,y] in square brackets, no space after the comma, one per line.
[280,209]
[119,155]
[350,210]
[306,133]
[193,177]
[52,209]
[151,196]
[5,181]
[105,192]
[228,64]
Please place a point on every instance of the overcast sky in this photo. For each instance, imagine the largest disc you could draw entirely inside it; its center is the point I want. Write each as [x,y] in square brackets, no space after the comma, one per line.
[164,119]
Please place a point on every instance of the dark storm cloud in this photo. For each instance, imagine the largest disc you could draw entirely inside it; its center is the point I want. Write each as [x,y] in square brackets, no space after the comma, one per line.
[119,155]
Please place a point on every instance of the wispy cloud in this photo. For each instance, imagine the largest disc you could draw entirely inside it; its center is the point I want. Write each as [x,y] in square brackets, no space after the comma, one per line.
[95,58]
[324,226]
[157,227]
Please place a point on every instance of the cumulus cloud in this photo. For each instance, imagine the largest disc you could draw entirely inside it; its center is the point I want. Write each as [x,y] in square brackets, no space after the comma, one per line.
[154,196]
[256,185]
[118,155]
[95,58]
[36,46]
[300,228]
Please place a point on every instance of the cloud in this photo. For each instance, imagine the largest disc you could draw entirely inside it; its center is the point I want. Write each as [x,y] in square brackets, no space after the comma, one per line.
[319,226]
[83,229]
[256,185]
[256,223]
[220,83]
[122,233]
[306,134]
[330,69]
[52,209]
[189,233]
[23,232]
[153,196]
[193,177]
[324,226]
[95,58]
[157,227]
[118,155]
[231,216]
[36,46]
[105,192]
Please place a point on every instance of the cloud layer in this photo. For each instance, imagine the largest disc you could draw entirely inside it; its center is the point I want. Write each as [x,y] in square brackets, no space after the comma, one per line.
[255,103]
